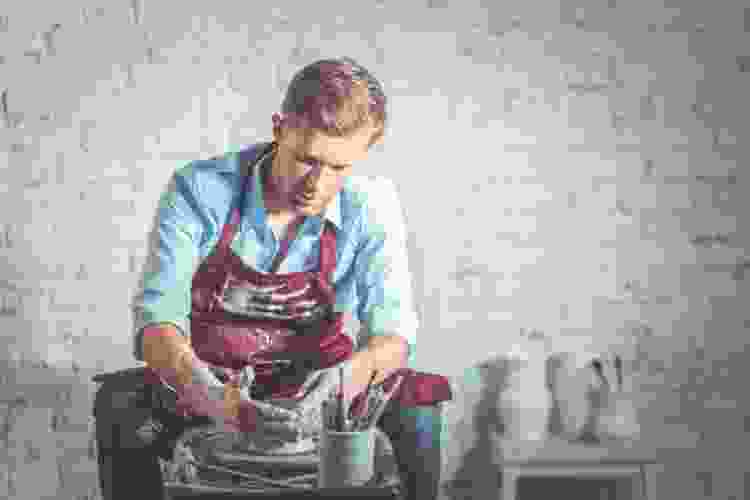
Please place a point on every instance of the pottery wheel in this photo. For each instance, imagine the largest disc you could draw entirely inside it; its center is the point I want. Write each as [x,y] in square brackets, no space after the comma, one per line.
[302,446]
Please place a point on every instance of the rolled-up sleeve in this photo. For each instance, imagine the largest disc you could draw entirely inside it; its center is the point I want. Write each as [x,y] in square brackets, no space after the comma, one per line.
[384,284]
[164,291]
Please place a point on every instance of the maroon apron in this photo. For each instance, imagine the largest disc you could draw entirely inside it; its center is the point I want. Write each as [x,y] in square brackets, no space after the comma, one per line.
[282,351]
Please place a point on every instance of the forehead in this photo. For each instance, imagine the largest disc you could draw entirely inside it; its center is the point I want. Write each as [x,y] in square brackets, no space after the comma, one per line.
[332,150]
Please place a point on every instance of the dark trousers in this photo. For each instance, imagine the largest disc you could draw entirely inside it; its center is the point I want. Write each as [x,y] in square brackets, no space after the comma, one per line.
[129,467]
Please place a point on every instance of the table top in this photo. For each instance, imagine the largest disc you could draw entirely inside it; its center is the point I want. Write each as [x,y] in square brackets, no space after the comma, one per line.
[559,452]
[202,492]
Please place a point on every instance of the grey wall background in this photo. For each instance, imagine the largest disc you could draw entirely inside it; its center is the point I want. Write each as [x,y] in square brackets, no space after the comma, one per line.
[578,168]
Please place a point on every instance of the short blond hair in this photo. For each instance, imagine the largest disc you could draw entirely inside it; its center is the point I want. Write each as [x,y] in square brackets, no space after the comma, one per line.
[337,97]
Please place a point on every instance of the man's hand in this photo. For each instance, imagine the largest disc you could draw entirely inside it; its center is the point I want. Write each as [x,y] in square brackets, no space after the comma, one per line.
[258,419]
[230,404]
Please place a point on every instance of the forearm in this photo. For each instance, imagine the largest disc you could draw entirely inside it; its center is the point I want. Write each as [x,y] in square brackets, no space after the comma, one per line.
[170,353]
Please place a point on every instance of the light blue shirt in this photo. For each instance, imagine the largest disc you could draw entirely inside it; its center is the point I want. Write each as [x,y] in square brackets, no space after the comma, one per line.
[372,278]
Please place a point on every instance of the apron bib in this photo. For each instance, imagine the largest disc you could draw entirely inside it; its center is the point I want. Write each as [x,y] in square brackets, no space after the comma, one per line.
[284,344]
[297,331]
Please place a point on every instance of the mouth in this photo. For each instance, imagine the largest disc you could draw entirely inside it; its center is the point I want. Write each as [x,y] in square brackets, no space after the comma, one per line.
[303,201]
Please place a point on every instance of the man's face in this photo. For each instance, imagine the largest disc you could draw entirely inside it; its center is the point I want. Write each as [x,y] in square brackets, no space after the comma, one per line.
[310,167]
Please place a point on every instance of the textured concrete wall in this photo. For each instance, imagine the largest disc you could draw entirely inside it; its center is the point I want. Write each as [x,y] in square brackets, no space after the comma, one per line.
[577,168]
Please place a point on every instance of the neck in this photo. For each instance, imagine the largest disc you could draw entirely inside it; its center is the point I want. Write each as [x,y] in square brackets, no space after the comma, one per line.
[274,202]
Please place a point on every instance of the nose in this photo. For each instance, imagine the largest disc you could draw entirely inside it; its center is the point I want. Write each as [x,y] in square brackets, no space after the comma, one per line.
[311,180]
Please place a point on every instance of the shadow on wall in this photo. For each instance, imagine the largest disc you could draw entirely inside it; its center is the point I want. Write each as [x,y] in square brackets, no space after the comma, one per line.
[477,475]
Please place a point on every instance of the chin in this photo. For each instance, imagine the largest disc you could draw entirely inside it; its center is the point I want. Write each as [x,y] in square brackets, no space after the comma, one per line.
[310,211]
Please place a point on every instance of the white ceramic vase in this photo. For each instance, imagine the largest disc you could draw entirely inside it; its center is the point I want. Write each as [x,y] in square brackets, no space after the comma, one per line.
[579,392]
[524,404]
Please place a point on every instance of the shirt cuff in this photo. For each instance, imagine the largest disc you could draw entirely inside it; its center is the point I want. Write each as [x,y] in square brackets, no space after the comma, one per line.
[182,326]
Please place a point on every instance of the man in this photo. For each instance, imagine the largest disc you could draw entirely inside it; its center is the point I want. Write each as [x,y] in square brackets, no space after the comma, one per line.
[256,257]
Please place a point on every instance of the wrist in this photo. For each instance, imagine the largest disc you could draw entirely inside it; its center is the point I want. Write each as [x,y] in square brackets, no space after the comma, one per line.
[358,370]
[387,354]
[232,399]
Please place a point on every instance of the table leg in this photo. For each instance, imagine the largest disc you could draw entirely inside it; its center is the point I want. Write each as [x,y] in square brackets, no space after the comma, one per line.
[510,484]
[647,480]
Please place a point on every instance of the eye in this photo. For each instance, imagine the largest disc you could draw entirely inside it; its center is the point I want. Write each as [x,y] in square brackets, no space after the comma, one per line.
[313,162]
[306,161]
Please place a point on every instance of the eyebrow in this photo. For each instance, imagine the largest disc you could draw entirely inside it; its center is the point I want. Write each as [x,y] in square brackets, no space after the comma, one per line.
[306,156]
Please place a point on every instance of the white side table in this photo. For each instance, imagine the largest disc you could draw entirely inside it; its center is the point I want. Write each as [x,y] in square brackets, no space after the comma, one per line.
[556,457]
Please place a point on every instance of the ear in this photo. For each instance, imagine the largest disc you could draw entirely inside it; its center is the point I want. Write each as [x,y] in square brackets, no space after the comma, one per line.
[277,127]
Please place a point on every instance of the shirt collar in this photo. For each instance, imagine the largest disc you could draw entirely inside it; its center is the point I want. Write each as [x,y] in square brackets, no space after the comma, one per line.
[332,212]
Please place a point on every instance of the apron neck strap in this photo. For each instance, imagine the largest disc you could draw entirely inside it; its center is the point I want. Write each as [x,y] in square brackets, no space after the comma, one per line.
[285,243]
[327,239]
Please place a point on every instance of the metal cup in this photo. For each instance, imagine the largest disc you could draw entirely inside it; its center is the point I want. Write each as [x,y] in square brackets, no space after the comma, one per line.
[346,458]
